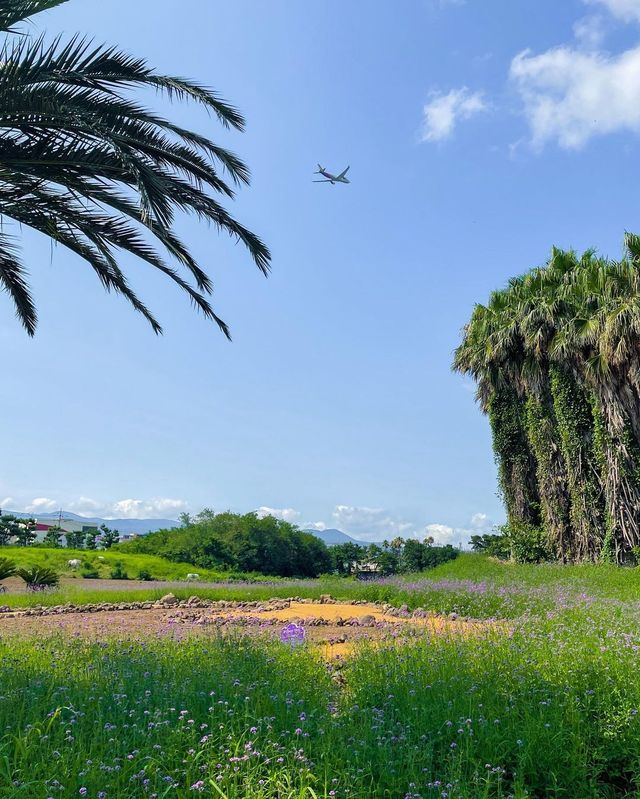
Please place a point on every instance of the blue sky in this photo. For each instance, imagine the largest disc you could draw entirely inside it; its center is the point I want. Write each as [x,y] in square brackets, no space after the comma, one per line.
[479,134]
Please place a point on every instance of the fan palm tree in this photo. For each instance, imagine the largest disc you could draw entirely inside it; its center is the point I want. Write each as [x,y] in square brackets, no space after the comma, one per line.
[96,171]
[561,412]
[600,343]
[523,356]
[483,354]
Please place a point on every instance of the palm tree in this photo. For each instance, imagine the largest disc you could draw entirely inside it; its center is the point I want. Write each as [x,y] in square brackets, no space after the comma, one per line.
[522,353]
[600,343]
[560,414]
[96,171]
[484,354]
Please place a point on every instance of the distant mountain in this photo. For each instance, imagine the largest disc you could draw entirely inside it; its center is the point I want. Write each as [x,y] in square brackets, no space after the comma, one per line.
[124,526]
[331,537]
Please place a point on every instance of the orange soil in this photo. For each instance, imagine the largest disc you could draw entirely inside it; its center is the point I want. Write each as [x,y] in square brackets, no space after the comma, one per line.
[333,639]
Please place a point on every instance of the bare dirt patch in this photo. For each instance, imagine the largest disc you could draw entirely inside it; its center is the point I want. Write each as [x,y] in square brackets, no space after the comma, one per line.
[335,627]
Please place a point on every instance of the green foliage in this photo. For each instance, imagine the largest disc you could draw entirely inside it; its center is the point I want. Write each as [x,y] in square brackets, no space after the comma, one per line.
[108,536]
[551,471]
[559,346]
[145,575]
[89,571]
[38,578]
[52,537]
[548,709]
[528,544]
[581,439]
[7,568]
[495,545]
[402,556]
[99,173]
[237,542]
[118,572]
[75,540]
[18,528]
[103,561]
[91,540]
[515,461]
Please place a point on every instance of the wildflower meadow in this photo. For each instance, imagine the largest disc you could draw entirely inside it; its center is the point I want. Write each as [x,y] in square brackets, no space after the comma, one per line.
[543,703]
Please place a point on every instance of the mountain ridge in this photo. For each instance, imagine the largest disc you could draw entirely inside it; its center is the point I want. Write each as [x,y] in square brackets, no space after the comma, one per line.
[332,536]
[126,526]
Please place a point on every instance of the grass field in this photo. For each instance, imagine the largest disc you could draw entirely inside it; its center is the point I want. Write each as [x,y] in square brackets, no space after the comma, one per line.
[471,585]
[550,710]
[547,705]
[103,561]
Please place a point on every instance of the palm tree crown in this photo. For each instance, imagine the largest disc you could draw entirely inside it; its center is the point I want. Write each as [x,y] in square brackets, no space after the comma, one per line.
[88,166]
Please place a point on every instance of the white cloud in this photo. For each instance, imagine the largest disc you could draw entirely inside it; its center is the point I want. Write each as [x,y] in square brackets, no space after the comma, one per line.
[569,95]
[85,505]
[626,10]
[370,524]
[286,514]
[589,31]
[441,533]
[41,505]
[444,111]
[141,509]
[479,524]
[314,526]
[7,502]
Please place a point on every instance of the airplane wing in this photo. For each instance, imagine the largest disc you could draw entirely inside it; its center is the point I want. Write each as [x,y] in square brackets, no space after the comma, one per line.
[326,180]
[342,174]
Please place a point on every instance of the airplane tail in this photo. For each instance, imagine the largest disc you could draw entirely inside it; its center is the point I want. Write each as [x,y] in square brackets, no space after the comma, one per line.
[319,170]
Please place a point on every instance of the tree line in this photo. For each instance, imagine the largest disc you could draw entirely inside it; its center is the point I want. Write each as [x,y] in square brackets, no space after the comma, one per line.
[399,556]
[556,359]
[270,546]
[22,531]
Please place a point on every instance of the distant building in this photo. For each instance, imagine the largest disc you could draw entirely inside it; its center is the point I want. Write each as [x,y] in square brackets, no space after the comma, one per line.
[66,525]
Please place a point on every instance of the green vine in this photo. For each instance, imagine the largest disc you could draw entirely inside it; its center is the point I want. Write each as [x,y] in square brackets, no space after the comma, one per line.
[515,460]
[577,435]
[544,438]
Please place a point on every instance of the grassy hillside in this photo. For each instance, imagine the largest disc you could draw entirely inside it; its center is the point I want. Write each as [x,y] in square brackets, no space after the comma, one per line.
[104,561]
[472,585]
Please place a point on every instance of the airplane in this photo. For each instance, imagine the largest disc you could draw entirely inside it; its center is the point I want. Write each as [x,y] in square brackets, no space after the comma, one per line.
[329,178]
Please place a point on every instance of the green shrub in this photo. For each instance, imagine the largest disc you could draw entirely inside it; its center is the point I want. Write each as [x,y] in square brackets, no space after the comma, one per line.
[144,574]
[528,543]
[496,545]
[89,571]
[118,572]
[7,568]
[39,578]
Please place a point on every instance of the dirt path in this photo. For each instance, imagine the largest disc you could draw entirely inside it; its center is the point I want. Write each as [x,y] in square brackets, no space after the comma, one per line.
[335,627]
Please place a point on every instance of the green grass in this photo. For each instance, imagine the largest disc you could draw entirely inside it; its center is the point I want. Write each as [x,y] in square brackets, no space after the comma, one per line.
[546,706]
[548,711]
[104,560]
[472,585]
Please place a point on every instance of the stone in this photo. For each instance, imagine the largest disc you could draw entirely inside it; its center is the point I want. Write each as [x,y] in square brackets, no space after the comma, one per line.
[168,600]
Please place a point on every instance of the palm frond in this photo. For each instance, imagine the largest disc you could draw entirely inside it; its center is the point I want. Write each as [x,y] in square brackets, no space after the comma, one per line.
[14,11]
[85,164]
[13,281]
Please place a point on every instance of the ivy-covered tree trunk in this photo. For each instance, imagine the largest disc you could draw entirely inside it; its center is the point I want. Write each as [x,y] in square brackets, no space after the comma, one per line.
[553,483]
[618,455]
[515,460]
[574,414]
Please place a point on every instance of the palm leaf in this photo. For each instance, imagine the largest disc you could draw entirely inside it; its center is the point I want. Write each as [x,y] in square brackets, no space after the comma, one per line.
[14,11]
[96,171]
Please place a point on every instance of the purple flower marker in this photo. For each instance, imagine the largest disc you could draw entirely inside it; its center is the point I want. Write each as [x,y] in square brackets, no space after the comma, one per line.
[292,634]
